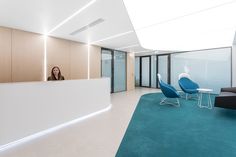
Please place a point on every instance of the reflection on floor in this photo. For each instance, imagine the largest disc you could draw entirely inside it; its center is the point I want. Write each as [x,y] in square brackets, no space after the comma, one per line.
[97,136]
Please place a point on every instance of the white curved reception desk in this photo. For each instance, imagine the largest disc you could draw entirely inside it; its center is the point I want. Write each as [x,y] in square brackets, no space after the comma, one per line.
[35,108]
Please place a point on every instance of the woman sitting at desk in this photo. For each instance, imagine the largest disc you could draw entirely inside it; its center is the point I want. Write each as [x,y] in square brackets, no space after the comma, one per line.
[55,74]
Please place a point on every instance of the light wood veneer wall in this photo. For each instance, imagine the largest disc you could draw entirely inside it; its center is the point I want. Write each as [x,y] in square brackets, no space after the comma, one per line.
[130,71]
[5,55]
[22,57]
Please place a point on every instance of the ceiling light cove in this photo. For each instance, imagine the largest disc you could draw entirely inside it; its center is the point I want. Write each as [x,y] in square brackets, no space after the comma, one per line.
[183,25]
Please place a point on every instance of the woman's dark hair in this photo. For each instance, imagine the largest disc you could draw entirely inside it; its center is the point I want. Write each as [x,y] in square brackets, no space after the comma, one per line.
[52,74]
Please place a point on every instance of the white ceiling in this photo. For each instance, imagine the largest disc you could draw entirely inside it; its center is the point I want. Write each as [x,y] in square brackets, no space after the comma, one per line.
[183,25]
[40,16]
[36,16]
[234,43]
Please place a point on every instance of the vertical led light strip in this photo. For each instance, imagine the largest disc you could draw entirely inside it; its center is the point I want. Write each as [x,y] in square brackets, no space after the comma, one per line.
[88,61]
[58,26]
[45,58]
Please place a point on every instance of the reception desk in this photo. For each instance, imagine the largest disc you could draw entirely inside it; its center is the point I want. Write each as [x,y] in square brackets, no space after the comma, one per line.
[33,108]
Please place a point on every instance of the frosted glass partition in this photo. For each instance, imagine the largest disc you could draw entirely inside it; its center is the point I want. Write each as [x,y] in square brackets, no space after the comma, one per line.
[137,71]
[119,71]
[209,68]
[153,72]
[145,71]
[163,67]
[107,64]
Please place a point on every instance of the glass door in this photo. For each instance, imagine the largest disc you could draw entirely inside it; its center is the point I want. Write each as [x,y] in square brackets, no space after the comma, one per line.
[145,71]
[107,65]
[119,71]
[137,71]
[154,71]
[114,67]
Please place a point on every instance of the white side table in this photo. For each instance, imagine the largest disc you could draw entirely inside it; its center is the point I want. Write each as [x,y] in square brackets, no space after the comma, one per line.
[208,92]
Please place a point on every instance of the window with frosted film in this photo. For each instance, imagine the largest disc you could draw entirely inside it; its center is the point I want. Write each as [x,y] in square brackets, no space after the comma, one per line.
[209,68]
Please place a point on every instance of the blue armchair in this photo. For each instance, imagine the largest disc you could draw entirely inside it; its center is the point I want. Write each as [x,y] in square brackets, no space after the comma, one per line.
[187,85]
[169,92]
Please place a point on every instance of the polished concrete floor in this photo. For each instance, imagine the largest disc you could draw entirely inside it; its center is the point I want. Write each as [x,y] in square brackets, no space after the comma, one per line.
[98,136]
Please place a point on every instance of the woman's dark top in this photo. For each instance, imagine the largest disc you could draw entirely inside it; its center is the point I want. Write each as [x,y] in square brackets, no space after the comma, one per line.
[50,78]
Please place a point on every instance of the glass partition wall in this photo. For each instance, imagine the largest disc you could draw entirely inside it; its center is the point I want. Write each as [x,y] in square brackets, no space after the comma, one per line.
[145,71]
[163,68]
[137,71]
[153,71]
[107,65]
[210,68]
[114,67]
[147,68]
[119,71]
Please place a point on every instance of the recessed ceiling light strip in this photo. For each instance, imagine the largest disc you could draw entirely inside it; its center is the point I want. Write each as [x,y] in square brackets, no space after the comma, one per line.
[73,15]
[112,37]
[144,51]
[121,48]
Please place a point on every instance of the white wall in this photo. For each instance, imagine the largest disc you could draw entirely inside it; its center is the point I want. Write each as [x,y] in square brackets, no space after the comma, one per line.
[28,108]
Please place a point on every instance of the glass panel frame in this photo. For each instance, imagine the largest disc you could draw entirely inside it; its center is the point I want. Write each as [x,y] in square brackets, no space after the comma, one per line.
[113,70]
[120,71]
[149,72]
[153,71]
[106,65]
[166,73]
[137,71]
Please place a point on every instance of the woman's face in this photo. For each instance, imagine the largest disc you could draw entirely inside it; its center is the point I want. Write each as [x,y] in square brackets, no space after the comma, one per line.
[56,71]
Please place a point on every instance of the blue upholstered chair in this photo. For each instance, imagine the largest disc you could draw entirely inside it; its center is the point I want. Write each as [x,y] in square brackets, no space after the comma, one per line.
[187,85]
[169,92]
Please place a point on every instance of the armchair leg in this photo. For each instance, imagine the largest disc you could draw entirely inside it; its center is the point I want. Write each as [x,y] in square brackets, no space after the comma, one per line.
[189,96]
[165,102]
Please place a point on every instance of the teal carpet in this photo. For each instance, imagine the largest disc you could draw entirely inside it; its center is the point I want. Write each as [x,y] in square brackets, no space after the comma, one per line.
[187,131]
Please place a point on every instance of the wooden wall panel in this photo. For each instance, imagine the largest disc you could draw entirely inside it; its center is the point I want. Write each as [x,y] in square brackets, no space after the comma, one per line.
[95,62]
[5,55]
[27,56]
[78,60]
[130,71]
[22,57]
[58,54]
